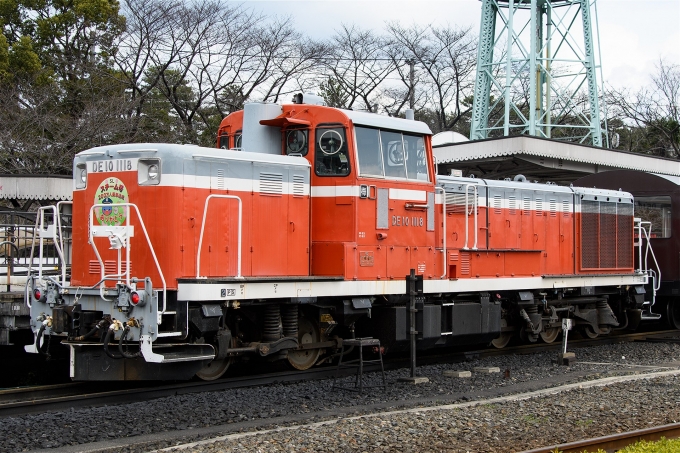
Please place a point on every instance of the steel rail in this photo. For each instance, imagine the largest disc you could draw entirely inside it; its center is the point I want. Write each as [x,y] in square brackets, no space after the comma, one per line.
[614,442]
[79,394]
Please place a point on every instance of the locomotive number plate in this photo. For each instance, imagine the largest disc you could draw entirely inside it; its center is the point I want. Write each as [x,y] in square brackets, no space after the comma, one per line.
[109,165]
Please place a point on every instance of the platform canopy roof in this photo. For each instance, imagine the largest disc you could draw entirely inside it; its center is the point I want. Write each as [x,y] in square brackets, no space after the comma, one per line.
[36,187]
[543,159]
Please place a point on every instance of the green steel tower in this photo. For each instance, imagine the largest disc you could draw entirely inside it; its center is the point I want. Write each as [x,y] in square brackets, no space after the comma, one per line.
[536,71]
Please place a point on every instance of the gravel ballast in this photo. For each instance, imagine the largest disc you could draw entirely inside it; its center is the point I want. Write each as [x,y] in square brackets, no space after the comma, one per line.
[166,421]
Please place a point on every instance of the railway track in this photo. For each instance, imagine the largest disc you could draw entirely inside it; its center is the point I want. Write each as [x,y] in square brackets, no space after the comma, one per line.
[27,400]
[614,442]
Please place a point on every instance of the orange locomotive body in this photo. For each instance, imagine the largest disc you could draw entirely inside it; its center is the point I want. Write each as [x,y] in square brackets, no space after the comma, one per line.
[298,230]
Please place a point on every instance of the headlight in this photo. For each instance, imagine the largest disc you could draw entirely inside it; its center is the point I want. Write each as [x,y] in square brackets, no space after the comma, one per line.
[149,171]
[153,171]
[80,176]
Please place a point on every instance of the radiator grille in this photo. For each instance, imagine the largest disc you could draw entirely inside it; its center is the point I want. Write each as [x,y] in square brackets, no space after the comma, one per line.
[606,235]
[539,206]
[624,236]
[590,229]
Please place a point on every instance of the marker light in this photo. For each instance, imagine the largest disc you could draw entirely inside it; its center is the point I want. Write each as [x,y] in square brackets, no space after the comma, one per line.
[37,294]
[135,298]
[153,171]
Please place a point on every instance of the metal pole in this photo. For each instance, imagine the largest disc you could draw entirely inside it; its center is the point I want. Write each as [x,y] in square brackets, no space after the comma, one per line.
[413,332]
[412,83]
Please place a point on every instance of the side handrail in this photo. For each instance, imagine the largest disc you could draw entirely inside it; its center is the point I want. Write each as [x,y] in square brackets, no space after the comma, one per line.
[200,240]
[444,206]
[474,207]
[648,249]
[127,246]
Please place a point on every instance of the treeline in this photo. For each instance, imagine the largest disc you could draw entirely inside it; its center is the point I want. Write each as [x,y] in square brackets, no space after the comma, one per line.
[82,73]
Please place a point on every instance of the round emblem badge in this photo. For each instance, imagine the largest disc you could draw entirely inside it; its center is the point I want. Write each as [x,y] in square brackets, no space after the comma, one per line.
[111,191]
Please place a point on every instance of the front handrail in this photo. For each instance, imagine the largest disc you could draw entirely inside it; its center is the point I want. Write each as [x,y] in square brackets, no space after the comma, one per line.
[91,227]
[61,240]
[200,240]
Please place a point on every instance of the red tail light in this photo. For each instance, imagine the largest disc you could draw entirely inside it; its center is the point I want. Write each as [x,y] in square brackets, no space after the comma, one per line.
[134,298]
[37,294]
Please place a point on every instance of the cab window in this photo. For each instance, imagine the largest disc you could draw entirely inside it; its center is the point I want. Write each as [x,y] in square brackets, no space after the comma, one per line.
[416,160]
[296,142]
[331,156]
[391,154]
[224,141]
[368,151]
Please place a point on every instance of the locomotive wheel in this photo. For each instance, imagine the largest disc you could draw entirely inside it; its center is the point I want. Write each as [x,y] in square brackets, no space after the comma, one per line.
[504,338]
[549,335]
[673,314]
[214,370]
[588,331]
[308,332]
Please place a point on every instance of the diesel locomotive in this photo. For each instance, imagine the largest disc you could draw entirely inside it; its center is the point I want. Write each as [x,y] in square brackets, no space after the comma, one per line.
[297,231]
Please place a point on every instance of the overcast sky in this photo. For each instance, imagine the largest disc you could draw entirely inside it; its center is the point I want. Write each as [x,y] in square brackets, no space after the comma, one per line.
[634,34]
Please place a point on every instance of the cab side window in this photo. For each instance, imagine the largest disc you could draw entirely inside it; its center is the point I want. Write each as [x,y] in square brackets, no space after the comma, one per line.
[368,151]
[331,157]
[296,142]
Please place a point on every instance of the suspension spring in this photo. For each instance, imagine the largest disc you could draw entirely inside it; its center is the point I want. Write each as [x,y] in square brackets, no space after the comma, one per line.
[272,323]
[289,319]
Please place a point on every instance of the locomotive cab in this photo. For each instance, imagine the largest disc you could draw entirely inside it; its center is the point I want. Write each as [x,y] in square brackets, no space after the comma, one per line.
[372,186]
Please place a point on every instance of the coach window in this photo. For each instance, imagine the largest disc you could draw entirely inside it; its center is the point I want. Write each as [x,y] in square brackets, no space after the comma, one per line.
[237,140]
[330,154]
[656,210]
[368,151]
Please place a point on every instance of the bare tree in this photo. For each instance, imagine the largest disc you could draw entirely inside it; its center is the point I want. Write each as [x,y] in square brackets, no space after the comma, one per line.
[654,113]
[445,59]
[359,65]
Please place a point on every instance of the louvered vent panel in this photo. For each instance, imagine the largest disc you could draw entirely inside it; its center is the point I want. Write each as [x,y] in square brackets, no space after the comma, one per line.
[110,267]
[566,208]
[553,208]
[607,235]
[497,203]
[298,185]
[464,263]
[271,183]
[512,204]
[590,213]
[539,206]
[624,236]
[220,179]
[526,208]
[455,203]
